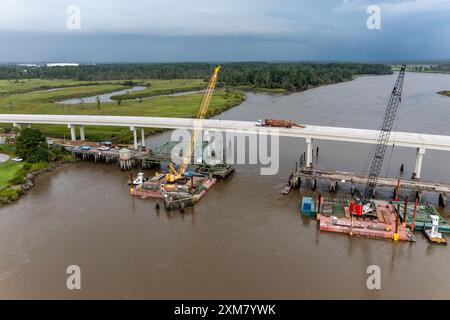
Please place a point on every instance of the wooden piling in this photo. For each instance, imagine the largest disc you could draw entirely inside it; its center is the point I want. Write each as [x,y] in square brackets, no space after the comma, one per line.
[405,211]
[413,225]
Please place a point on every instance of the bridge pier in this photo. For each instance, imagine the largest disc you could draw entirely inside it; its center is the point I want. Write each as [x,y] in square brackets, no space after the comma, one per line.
[135,139]
[143,137]
[418,166]
[442,200]
[82,136]
[309,152]
[418,195]
[73,133]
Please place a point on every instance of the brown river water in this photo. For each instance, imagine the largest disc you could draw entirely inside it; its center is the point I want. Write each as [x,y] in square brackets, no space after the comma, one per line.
[244,240]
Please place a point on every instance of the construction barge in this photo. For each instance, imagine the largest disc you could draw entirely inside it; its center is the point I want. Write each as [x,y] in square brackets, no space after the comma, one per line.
[339,216]
[179,195]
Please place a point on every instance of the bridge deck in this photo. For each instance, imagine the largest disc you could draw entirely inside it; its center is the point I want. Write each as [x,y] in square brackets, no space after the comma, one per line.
[402,139]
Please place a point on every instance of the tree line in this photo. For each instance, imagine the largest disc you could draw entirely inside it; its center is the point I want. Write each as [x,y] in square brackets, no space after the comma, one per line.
[289,76]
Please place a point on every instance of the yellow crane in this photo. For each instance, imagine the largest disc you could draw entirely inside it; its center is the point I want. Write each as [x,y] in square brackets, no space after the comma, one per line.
[175,175]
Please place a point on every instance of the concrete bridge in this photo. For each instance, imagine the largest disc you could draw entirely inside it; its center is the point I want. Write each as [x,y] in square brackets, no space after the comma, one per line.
[421,142]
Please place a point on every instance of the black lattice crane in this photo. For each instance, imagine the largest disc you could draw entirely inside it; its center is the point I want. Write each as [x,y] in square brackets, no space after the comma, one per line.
[377,156]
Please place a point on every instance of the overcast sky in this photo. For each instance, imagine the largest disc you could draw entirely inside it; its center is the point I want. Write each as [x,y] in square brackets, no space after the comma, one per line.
[222,30]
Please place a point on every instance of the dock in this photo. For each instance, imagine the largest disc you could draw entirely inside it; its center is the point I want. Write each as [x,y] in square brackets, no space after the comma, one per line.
[141,158]
[337,177]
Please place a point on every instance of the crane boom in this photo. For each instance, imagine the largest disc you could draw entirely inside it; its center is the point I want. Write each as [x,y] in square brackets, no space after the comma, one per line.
[187,155]
[383,137]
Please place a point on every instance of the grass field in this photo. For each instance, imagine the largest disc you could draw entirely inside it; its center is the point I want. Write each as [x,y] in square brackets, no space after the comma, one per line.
[11,87]
[44,102]
[8,170]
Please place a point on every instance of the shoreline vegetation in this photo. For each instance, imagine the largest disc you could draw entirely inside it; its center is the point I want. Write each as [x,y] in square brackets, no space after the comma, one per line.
[17,178]
[443,68]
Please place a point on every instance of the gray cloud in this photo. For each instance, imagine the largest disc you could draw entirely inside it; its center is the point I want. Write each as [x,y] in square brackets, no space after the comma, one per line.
[166,30]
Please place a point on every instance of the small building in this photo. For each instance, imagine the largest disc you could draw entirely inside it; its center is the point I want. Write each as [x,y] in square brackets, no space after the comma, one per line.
[124,154]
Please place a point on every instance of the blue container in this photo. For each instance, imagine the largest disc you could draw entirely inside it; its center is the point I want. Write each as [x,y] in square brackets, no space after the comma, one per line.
[308,208]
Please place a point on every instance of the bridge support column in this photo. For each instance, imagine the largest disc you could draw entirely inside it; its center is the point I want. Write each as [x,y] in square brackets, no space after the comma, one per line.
[418,166]
[143,137]
[82,136]
[73,133]
[442,200]
[135,140]
[309,152]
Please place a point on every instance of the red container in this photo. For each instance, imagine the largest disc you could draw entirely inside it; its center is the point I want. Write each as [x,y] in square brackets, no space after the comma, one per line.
[358,209]
[351,207]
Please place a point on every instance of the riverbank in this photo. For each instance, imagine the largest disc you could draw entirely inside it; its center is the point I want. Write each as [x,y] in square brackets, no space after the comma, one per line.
[17,178]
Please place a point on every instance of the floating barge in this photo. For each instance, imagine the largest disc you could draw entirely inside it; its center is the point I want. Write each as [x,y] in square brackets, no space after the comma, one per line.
[335,216]
[179,195]
[383,227]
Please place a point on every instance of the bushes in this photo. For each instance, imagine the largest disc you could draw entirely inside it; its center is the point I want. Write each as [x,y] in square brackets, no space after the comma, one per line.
[40,154]
[8,195]
[39,166]
[19,178]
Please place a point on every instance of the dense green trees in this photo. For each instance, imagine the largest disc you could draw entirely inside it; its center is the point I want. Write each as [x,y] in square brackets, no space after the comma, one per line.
[288,76]
[31,145]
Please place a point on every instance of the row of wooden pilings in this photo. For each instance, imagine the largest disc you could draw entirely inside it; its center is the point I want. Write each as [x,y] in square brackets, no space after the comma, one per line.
[124,164]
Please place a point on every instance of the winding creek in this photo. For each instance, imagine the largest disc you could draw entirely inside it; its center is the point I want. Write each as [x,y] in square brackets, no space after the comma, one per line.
[106,97]
[244,240]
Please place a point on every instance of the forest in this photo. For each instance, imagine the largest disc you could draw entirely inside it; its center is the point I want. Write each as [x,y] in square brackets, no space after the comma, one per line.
[288,76]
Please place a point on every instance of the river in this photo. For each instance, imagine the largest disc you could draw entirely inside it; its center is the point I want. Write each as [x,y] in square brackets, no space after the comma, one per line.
[244,240]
